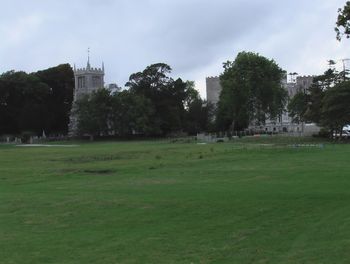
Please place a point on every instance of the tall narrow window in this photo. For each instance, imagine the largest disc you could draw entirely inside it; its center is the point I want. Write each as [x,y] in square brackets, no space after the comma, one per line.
[96,81]
[81,82]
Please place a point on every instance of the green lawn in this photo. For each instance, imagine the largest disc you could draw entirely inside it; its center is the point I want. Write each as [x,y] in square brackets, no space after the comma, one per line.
[162,202]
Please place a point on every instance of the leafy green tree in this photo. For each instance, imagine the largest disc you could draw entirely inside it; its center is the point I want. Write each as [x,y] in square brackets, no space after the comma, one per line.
[316,93]
[93,113]
[199,116]
[23,103]
[297,107]
[251,92]
[335,107]
[199,113]
[60,79]
[168,96]
[314,103]
[131,114]
[343,22]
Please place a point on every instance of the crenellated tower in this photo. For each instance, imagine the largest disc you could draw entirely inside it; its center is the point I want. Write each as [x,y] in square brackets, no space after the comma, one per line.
[86,80]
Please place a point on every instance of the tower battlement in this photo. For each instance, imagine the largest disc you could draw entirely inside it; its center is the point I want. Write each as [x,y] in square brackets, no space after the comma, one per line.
[213,88]
[86,70]
[212,77]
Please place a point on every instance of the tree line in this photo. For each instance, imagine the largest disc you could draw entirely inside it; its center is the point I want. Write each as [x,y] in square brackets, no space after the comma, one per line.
[153,105]
[326,103]
[36,102]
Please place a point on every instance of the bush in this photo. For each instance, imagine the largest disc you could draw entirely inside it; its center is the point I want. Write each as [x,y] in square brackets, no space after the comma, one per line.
[26,136]
[324,133]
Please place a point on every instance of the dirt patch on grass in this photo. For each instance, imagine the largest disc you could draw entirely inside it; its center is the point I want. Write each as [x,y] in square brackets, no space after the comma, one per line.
[88,171]
[98,171]
[109,157]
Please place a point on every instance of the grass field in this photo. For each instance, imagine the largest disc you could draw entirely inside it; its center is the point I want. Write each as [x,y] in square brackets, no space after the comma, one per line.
[253,201]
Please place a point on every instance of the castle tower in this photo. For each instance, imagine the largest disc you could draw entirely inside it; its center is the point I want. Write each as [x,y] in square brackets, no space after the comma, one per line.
[87,80]
[213,88]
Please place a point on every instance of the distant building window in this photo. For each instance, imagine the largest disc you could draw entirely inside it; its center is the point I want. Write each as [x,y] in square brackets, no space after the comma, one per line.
[81,82]
[96,81]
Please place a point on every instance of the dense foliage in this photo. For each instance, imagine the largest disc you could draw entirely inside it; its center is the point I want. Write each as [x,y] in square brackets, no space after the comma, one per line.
[335,107]
[297,107]
[36,102]
[154,104]
[326,103]
[251,92]
[60,79]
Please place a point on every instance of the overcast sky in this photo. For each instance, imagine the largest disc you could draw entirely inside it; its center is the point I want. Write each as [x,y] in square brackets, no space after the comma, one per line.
[193,36]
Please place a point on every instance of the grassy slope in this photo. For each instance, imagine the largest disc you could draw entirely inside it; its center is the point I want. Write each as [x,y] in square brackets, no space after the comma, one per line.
[153,202]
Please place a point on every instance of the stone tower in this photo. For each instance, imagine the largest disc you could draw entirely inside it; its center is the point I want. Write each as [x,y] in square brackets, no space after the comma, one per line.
[87,80]
[213,88]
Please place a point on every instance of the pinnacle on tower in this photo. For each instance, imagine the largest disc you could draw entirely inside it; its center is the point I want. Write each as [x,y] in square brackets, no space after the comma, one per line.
[88,61]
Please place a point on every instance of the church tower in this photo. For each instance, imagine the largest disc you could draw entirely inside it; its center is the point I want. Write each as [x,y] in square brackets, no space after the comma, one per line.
[86,81]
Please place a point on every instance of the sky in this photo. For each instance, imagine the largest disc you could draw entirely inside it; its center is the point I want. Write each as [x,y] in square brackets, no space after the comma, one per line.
[194,37]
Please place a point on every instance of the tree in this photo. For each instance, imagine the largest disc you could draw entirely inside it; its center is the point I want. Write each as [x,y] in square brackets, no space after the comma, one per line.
[199,113]
[131,114]
[297,107]
[314,104]
[251,91]
[23,103]
[37,101]
[60,79]
[93,112]
[336,108]
[166,95]
[343,22]
[317,90]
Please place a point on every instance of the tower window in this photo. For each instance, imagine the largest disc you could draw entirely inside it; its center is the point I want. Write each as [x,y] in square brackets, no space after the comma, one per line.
[81,82]
[96,81]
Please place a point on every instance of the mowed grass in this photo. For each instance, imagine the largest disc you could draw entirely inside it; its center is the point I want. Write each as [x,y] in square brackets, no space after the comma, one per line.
[162,202]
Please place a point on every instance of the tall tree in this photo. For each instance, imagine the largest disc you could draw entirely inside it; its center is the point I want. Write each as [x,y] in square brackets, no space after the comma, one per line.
[297,107]
[316,93]
[23,103]
[199,113]
[336,108]
[166,95]
[251,91]
[131,114]
[343,22]
[60,79]
[93,112]
[314,103]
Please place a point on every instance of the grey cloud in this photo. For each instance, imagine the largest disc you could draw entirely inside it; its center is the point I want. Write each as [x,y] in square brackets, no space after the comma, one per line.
[193,36]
